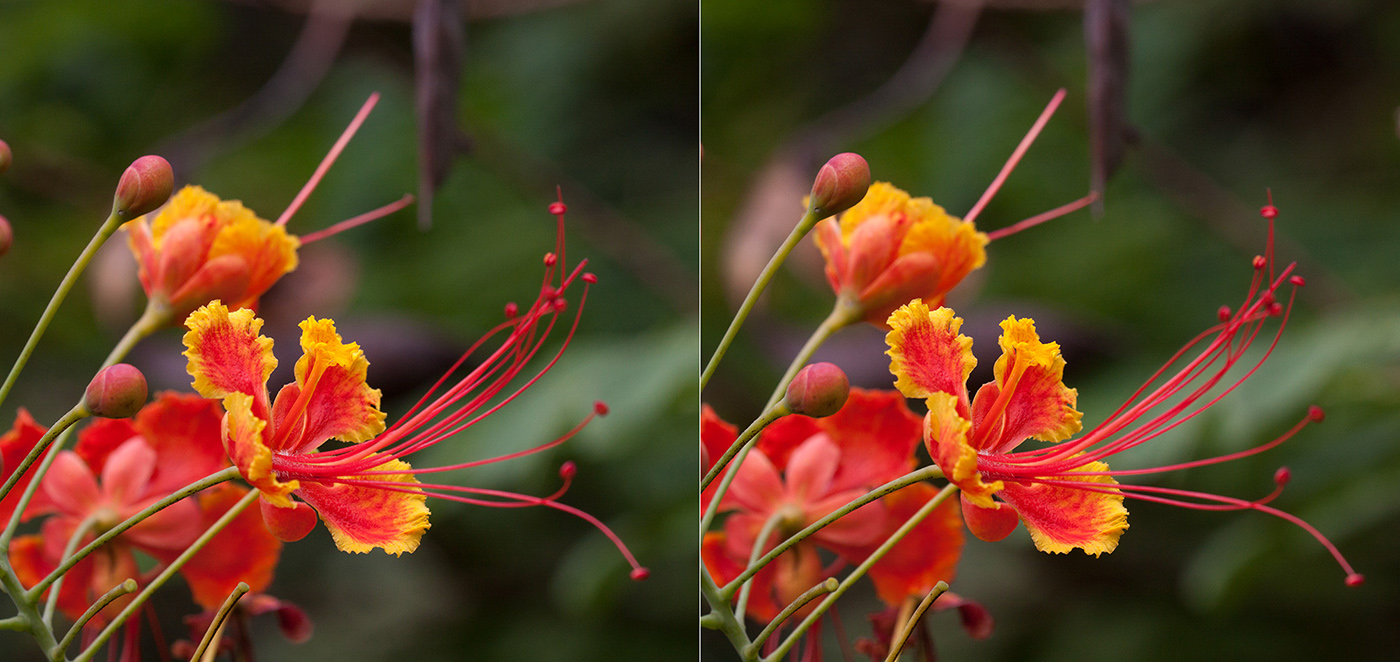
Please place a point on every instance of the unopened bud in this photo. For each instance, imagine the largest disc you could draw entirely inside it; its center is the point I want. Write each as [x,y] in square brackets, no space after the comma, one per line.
[7,236]
[5,157]
[840,184]
[117,391]
[144,187]
[818,390]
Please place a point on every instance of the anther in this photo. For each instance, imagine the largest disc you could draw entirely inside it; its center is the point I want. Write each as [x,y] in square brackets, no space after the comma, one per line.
[600,408]
[1275,309]
[1298,280]
[1269,211]
[512,310]
[550,259]
[1223,313]
[1315,414]
[1282,476]
[1353,580]
[589,278]
[560,305]
[640,574]
[548,292]
[1259,262]
[557,208]
[567,470]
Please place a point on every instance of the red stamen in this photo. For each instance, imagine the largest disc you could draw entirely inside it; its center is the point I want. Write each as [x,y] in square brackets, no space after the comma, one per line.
[1043,217]
[600,408]
[357,221]
[511,310]
[1016,155]
[329,159]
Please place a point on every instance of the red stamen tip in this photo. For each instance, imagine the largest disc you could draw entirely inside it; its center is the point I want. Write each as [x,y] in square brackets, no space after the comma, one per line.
[1315,414]
[590,278]
[1259,262]
[1223,313]
[550,259]
[511,310]
[640,574]
[1298,280]
[1275,309]
[1282,476]
[1269,211]
[600,408]
[557,208]
[567,470]
[547,292]
[561,304]
[1353,580]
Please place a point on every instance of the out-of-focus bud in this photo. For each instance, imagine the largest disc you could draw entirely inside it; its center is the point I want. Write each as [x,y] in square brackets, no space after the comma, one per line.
[7,236]
[144,187]
[818,390]
[117,391]
[840,183]
[5,157]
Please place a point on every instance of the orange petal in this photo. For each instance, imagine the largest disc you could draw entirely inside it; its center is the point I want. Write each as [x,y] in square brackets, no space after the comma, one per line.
[243,552]
[267,248]
[243,441]
[716,436]
[927,354]
[870,248]
[223,278]
[906,279]
[226,354]
[956,245]
[362,517]
[1062,518]
[184,429]
[927,555]
[827,234]
[339,404]
[989,524]
[288,524]
[877,434]
[183,249]
[1039,405]
[945,435]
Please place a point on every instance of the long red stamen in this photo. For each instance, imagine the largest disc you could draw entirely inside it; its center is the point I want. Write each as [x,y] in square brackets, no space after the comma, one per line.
[329,159]
[1016,155]
[1043,217]
[372,215]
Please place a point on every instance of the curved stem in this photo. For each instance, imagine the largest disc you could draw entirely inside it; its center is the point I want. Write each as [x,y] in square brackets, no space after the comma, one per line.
[29,619]
[54,440]
[211,480]
[804,226]
[758,543]
[751,653]
[155,317]
[860,571]
[720,611]
[897,644]
[217,625]
[56,653]
[893,486]
[165,575]
[773,413]
[73,541]
[843,314]
[114,220]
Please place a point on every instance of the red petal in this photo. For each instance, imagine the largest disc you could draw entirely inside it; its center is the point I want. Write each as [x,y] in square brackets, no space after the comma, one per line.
[927,353]
[184,430]
[989,524]
[243,551]
[288,524]
[927,555]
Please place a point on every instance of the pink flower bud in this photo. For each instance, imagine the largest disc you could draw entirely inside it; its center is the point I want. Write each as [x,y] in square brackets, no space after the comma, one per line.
[117,391]
[840,183]
[5,157]
[7,236]
[818,390]
[144,187]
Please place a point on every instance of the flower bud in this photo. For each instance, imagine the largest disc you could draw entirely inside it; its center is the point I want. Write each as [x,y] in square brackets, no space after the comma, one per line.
[5,157]
[840,183]
[7,236]
[144,187]
[818,390]
[117,391]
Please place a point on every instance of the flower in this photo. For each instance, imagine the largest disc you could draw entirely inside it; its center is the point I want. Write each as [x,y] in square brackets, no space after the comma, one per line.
[890,248]
[118,468]
[1066,495]
[801,470]
[15,444]
[366,494]
[198,248]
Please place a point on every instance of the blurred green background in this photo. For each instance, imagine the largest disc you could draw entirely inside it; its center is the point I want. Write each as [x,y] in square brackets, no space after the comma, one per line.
[1228,98]
[595,96]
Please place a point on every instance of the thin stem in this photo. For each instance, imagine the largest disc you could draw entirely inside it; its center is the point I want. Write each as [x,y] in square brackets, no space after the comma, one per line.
[897,644]
[73,541]
[809,219]
[154,318]
[758,543]
[54,440]
[103,232]
[56,653]
[828,586]
[33,621]
[843,314]
[720,611]
[860,571]
[165,575]
[218,623]
[14,623]
[211,480]
[773,413]
[895,485]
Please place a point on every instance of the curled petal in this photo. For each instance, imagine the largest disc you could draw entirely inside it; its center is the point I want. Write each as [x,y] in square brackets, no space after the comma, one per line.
[927,354]
[956,245]
[906,279]
[267,248]
[331,378]
[288,524]
[243,440]
[827,234]
[361,517]
[989,524]
[870,248]
[946,436]
[1039,404]
[223,278]
[227,355]
[1063,517]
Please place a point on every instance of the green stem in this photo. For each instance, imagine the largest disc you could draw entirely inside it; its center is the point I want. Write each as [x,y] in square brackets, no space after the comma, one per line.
[33,621]
[218,622]
[200,485]
[73,541]
[895,485]
[758,543]
[165,575]
[804,226]
[54,440]
[773,413]
[897,644]
[751,653]
[56,653]
[843,314]
[719,610]
[859,572]
[107,228]
[155,317]
[14,623]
